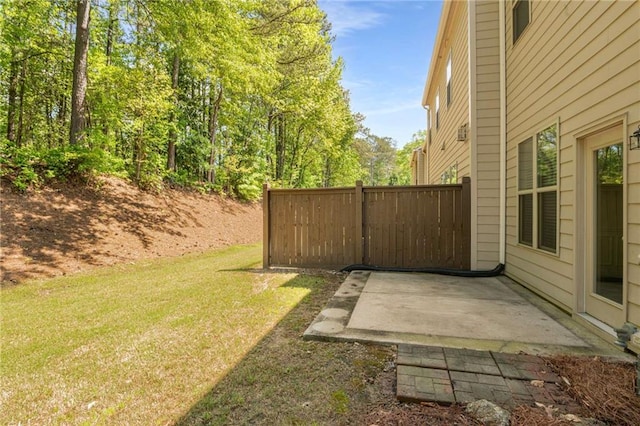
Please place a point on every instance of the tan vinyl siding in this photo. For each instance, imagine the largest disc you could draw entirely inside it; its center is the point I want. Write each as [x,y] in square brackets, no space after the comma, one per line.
[457,113]
[486,141]
[579,63]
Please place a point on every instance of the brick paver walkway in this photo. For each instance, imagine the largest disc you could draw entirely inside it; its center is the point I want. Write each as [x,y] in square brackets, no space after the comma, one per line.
[446,376]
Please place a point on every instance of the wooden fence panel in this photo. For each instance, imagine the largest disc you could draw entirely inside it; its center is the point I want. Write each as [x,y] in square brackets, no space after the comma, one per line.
[407,227]
[309,228]
[414,227]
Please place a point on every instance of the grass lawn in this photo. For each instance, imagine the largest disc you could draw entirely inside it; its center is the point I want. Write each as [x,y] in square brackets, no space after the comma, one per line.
[201,339]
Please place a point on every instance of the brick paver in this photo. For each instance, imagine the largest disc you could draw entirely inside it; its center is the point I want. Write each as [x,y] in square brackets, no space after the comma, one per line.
[424,384]
[422,356]
[525,367]
[473,361]
[446,375]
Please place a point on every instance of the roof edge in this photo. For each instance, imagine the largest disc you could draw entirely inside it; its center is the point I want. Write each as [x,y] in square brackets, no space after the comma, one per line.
[442,26]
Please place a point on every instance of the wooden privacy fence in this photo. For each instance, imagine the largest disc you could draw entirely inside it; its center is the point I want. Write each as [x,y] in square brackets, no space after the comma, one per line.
[406,227]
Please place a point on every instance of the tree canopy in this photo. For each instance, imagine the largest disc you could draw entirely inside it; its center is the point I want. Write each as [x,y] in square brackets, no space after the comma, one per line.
[227,93]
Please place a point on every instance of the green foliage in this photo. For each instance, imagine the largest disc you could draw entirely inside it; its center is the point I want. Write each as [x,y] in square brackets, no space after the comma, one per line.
[223,95]
[610,164]
[403,157]
[28,167]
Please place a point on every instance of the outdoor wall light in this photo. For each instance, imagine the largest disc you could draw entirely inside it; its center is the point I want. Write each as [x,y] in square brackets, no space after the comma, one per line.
[634,139]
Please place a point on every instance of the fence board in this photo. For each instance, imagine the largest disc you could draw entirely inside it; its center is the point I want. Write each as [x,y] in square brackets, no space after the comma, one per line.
[409,227]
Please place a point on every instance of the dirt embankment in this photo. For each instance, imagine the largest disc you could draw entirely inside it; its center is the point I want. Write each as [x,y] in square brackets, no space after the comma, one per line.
[65,228]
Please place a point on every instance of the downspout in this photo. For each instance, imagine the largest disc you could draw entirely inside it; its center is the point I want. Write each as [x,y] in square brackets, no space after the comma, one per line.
[473,125]
[503,134]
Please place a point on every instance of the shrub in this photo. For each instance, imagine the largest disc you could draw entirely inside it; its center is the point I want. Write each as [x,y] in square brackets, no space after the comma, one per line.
[27,167]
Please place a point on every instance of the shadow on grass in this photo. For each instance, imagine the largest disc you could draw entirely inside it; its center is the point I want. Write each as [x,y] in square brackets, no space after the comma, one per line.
[286,380]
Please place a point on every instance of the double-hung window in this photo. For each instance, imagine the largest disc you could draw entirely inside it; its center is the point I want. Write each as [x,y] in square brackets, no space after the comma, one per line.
[429,125]
[449,80]
[438,109]
[521,16]
[450,176]
[538,190]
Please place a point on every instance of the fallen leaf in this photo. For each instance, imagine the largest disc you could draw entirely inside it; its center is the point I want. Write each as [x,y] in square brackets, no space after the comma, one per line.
[537,383]
[548,409]
[571,418]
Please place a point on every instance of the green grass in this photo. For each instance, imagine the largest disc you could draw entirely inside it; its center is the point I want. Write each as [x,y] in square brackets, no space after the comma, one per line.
[138,344]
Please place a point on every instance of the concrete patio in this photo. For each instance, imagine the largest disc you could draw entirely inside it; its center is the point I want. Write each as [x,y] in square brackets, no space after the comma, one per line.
[492,314]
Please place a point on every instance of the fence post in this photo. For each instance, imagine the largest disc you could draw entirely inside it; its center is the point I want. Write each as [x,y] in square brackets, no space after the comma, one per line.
[265,226]
[359,242]
[466,224]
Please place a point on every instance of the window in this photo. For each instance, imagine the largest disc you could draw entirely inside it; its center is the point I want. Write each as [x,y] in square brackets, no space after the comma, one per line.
[450,176]
[538,190]
[428,125]
[449,80]
[438,109]
[521,17]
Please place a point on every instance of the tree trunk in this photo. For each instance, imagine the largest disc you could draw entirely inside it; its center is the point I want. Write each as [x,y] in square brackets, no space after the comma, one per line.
[113,17]
[326,179]
[11,102]
[173,134]
[280,146]
[213,125]
[79,90]
[23,77]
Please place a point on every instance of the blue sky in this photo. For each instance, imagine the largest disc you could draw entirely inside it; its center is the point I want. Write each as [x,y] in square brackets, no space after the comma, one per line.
[386,46]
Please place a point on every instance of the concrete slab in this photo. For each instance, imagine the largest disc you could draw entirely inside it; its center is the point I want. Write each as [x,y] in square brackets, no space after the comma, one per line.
[473,308]
[438,286]
[490,314]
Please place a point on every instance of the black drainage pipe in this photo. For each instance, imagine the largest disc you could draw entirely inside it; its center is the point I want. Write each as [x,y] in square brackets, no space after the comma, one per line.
[441,271]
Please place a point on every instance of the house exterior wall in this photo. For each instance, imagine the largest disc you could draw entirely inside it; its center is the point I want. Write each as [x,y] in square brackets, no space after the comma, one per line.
[576,64]
[469,31]
[444,151]
[485,130]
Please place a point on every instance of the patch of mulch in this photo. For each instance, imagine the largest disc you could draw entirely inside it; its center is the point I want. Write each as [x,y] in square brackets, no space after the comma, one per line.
[606,389]
[65,228]
[536,416]
[428,414]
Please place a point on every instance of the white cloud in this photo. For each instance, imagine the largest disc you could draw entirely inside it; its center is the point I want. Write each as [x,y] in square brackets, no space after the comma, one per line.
[346,18]
[357,84]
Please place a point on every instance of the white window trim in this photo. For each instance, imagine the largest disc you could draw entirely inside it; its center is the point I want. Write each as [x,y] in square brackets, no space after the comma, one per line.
[535,190]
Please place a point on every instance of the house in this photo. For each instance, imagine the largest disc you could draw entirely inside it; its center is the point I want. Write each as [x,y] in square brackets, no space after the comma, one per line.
[537,102]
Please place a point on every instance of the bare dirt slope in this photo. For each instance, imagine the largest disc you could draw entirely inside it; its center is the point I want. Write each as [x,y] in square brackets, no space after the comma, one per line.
[68,228]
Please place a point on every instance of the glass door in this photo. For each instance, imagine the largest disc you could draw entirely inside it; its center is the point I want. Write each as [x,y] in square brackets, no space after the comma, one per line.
[604,199]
